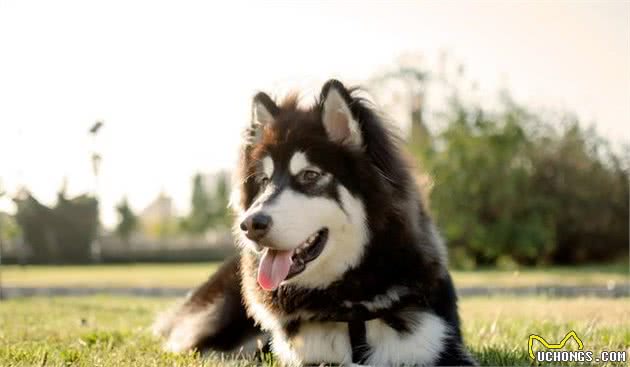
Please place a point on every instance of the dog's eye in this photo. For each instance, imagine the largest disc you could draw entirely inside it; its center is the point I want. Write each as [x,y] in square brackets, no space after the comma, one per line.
[308,176]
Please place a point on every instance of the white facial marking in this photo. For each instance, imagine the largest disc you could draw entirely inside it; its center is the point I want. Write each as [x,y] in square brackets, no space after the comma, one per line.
[420,347]
[347,228]
[297,163]
[290,229]
[347,236]
[267,164]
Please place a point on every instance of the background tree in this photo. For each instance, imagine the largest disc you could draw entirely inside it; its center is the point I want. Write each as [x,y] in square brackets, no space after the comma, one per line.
[61,234]
[199,218]
[209,201]
[510,185]
[220,198]
[127,220]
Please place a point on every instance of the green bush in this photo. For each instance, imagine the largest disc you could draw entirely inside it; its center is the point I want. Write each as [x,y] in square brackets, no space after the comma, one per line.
[516,186]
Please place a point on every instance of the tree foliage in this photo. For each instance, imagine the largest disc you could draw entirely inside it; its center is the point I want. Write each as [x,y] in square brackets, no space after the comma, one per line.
[513,186]
[62,234]
[208,206]
[127,220]
[510,185]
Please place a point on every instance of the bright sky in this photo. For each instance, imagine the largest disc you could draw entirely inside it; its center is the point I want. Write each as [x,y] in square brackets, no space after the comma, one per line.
[173,79]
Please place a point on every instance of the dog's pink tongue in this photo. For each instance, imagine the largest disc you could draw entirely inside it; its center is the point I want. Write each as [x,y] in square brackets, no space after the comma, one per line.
[274,268]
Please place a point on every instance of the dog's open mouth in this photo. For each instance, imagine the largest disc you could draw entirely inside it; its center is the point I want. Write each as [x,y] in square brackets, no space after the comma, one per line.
[279,265]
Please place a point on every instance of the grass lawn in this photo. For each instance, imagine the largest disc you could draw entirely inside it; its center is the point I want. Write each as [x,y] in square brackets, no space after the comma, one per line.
[189,275]
[112,331]
[118,275]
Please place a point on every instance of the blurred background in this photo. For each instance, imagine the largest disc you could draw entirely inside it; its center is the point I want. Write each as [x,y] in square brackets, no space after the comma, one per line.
[121,121]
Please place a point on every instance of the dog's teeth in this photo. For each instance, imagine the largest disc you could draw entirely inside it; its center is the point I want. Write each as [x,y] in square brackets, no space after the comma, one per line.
[309,241]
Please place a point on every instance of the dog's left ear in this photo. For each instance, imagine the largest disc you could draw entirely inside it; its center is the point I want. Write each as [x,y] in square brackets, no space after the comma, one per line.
[340,124]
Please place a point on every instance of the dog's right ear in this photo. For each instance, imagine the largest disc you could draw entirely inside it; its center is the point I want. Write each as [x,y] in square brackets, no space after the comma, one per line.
[340,124]
[264,110]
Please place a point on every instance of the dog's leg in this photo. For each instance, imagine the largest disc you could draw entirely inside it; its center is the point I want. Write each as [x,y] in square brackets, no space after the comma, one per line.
[211,318]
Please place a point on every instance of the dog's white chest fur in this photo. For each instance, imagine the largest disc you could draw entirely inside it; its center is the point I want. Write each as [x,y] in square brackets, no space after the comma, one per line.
[329,342]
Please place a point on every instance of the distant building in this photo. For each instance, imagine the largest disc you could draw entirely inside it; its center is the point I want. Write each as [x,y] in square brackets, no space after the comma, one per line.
[159,209]
[158,218]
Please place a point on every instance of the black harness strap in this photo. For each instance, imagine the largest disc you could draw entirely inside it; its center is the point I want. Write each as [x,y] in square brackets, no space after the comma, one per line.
[358,341]
[357,316]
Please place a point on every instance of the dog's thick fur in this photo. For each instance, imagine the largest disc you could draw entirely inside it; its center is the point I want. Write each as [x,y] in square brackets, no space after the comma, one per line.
[383,263]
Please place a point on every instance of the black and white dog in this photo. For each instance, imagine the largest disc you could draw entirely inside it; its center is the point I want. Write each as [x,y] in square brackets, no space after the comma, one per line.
[340,261]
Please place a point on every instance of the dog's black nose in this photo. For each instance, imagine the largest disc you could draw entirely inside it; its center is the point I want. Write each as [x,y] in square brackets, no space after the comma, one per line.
[256,226]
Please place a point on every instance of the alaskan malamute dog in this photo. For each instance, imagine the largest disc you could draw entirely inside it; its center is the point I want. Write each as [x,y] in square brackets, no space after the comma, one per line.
[340,262]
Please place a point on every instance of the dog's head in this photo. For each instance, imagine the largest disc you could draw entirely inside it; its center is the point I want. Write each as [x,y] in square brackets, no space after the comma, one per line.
[304,185]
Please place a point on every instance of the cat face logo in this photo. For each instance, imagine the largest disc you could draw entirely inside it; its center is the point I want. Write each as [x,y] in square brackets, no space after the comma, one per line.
[547,345]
